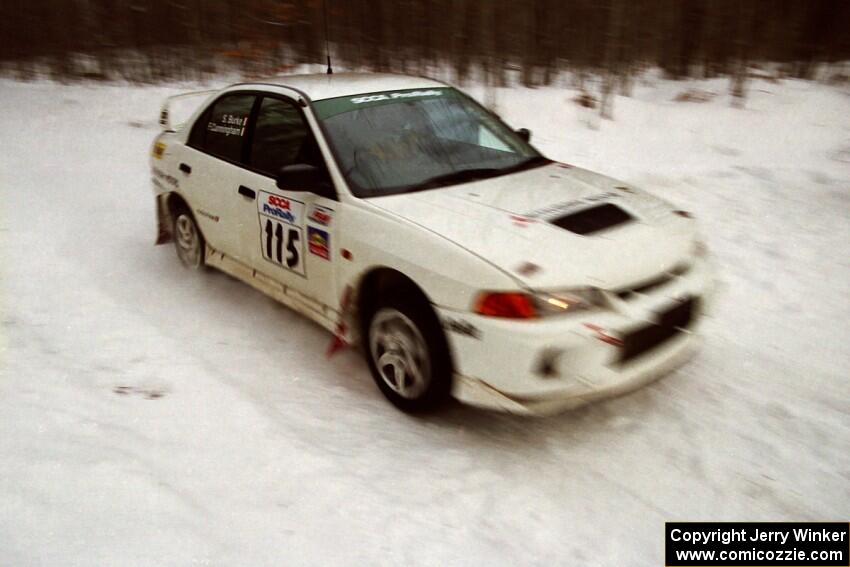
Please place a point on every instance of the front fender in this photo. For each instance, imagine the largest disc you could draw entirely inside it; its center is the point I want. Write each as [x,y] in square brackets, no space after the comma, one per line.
[448,274]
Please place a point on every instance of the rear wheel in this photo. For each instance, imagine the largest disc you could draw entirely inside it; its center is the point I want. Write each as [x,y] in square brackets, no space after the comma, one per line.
[188,240]
[408,355]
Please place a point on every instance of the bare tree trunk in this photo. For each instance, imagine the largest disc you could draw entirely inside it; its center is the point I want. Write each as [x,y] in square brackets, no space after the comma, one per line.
[490,62]
[738,83]
[612,48]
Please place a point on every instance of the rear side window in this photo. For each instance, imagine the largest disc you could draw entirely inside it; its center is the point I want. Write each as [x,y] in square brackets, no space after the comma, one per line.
[281,137]
[221,130]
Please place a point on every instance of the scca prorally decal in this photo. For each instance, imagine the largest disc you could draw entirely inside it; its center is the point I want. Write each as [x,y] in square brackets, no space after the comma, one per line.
[560,208]
[391,96]
[281,231]
[319,242]
[321,215]
[283,208]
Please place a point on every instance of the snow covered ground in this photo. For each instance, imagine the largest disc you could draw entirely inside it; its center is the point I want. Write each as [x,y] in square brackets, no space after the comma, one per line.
[149,416]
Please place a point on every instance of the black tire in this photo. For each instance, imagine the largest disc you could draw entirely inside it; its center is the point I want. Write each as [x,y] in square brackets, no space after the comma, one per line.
[188,240]
[413,307]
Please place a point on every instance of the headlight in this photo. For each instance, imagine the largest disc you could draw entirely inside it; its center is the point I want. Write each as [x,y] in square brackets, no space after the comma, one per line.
[522,305]
[567,301]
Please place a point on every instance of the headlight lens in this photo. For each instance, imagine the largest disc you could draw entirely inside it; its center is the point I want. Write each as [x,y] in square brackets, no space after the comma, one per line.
[567,301]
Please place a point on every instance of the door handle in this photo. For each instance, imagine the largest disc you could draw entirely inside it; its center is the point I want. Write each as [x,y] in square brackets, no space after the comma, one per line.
[250,193]
[185,168]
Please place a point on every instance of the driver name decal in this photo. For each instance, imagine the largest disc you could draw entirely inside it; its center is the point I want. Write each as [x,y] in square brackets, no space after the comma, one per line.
[229,125]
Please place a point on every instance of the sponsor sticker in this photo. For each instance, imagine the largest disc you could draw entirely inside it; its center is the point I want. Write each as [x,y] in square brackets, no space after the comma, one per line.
[320,215]
[203,213]
[331,107]
[282,208]
[158,150]
[319,242]
[161,175]
[392,96]
[462,327]
[521,221]
[566,206]
[527,269]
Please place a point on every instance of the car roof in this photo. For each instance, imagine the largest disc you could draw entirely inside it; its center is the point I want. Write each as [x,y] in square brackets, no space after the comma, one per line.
[320,86]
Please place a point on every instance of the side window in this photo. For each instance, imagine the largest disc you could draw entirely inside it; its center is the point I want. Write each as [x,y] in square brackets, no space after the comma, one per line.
[281,137]
[220,131]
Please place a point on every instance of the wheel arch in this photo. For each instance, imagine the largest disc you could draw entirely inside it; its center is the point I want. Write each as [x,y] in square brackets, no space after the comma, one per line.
[380,280]
[167,206]
[386,282]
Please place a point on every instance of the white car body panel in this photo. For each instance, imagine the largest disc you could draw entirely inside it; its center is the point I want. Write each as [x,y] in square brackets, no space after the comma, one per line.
[454,242]
[484,216]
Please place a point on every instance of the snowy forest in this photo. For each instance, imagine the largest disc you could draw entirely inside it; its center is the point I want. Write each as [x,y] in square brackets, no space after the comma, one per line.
[155,40]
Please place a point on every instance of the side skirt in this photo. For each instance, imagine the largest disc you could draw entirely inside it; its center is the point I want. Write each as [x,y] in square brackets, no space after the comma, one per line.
[318,312]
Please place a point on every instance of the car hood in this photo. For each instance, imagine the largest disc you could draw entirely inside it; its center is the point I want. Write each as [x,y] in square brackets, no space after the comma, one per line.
[510,222]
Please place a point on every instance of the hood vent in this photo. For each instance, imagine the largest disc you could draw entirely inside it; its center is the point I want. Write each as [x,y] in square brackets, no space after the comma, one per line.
[593,219]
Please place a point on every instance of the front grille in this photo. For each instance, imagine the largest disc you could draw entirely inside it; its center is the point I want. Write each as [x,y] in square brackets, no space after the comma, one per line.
[670,323]
[647,286]
[593,219]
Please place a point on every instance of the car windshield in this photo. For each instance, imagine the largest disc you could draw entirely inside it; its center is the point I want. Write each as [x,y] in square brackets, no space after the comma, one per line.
[402,141]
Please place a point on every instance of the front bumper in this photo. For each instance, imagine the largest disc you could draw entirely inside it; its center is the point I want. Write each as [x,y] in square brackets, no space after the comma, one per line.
[548,365]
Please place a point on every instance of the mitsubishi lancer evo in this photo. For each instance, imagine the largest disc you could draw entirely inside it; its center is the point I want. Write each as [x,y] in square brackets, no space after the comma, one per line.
[409,220]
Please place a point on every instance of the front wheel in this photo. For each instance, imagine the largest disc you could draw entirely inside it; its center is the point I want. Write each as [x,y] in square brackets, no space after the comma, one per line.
[188,240]
[408,355]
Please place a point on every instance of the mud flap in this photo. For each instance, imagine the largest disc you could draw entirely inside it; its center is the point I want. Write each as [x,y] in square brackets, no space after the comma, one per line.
[338,342]
[163,222]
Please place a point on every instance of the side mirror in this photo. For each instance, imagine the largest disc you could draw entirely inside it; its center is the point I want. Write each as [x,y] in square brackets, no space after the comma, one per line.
[301,177]
[525,134]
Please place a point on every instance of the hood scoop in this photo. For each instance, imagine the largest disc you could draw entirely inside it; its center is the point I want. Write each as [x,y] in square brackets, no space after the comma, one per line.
[594,219]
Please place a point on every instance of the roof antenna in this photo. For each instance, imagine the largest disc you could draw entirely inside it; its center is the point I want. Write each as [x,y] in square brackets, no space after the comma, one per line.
[327,47]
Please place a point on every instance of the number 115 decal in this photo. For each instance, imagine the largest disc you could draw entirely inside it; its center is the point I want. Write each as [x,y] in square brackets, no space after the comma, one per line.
[281,232]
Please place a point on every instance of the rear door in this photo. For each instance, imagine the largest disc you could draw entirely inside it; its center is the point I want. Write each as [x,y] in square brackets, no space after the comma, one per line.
[212,170]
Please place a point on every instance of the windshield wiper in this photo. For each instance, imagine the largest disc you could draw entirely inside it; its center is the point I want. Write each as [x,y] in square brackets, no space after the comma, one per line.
[476,173]
[528,163]
[460,176]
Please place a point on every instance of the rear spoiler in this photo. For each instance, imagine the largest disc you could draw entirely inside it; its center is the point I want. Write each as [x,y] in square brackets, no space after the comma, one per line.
[165,112]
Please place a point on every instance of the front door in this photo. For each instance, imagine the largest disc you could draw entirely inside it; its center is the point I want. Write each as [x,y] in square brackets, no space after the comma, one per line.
[291,233]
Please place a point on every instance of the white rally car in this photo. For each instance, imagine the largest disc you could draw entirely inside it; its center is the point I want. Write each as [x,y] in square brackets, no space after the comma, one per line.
[404,217]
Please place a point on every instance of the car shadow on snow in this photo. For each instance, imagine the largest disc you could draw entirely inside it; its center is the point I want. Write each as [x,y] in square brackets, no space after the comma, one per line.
[344,379]
[623,414]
